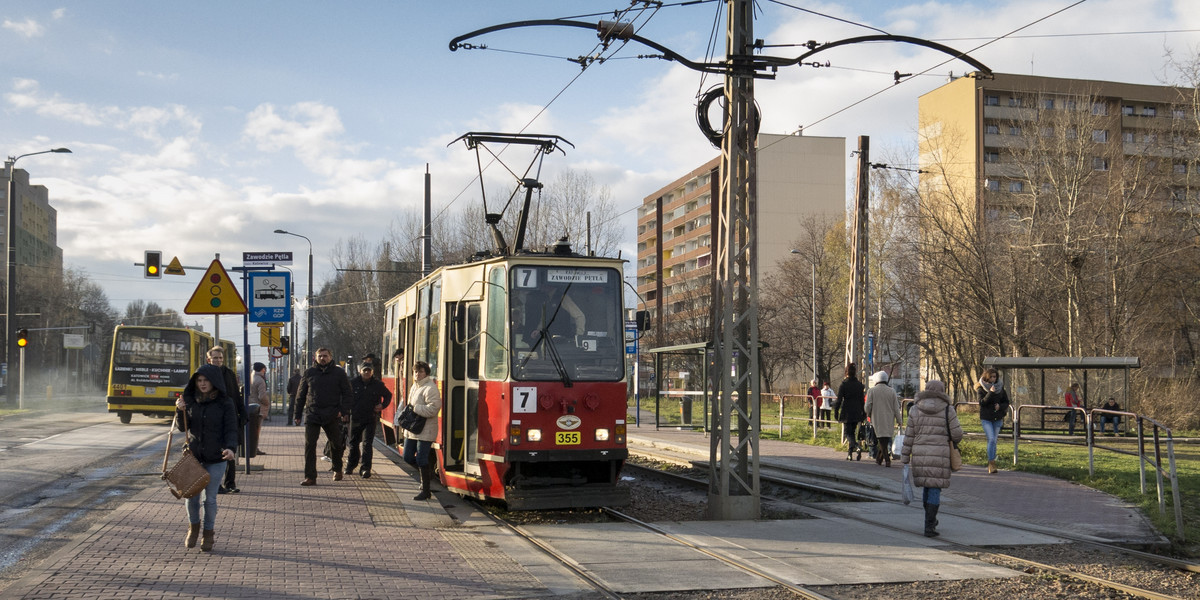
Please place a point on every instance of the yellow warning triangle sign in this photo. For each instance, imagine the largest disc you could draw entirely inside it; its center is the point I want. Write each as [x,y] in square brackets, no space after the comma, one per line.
[175,268]
[216,295]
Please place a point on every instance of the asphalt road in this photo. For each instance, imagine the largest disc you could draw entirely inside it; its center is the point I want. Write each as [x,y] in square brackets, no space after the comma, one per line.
[63,470]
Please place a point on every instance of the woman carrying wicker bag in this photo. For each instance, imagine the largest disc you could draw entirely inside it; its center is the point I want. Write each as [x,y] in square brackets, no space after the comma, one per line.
[211,438]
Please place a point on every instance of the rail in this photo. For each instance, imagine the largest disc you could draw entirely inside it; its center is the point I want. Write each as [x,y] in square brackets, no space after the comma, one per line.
[1160,470]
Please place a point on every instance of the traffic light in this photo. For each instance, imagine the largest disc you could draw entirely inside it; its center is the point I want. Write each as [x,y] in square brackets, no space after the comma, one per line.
[152,266]
[285,345]
[22,338]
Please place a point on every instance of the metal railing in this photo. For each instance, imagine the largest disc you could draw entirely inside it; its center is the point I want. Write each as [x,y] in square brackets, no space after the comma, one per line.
[1160,470]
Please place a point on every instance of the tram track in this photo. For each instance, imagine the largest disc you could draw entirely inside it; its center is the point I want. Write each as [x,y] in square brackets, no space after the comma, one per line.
[999,558]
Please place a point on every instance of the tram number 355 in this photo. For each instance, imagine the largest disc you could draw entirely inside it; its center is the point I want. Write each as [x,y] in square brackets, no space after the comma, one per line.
[566,438]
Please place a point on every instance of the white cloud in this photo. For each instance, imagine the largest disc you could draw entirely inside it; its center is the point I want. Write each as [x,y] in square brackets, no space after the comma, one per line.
[146,122]
[27,28]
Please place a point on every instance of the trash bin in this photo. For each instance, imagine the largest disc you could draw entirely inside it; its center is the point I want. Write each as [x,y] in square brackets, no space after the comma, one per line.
[255,422]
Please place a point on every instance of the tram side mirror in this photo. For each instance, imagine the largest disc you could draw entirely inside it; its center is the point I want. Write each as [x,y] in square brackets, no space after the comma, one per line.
[643,320]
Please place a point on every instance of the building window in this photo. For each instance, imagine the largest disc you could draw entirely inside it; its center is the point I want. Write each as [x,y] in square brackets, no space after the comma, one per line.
[1070,105]
[1180,168]
[1016,186]
[1047,132]
[1014,101]
[1072,133]
[991,100]
[1048,104]
[991,129]
[1150,138]
[1099,108]
[1100,164]
[1178,113]
[1100,136]
[991,185]
[1126,136]
[1014,130]
[1127,110]
[991,157]
[1149,111]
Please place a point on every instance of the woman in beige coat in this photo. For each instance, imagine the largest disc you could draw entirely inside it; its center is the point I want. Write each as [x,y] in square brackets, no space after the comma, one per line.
[932,425]
[883,408]
[426,401]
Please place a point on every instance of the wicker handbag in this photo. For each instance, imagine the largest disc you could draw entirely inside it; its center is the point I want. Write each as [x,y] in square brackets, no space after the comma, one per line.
[188,477]
[955,456]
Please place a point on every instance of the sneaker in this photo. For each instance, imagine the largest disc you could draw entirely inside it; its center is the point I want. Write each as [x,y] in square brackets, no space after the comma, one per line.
[326,458]
[232,490]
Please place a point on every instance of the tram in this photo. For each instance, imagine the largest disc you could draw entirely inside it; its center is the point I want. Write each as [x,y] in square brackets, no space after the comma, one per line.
[527,348]
[150,366]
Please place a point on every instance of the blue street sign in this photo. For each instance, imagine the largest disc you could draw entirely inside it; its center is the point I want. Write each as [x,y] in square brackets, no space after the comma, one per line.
[270,297]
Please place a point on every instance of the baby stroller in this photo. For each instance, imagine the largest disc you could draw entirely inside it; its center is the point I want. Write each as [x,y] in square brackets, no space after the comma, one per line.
[866,437]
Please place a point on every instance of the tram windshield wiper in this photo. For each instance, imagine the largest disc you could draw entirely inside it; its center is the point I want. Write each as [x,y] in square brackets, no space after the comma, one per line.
[552,352]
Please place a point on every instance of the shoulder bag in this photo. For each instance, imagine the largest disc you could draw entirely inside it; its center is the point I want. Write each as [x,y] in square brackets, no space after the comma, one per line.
[188,477]
[955,456]
[410,421]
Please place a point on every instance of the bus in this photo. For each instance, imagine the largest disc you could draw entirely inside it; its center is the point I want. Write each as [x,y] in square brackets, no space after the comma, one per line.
[150,366]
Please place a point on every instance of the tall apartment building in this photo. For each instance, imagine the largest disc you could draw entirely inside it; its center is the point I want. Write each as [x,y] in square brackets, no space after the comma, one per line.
[36,234]
[797,176]
[971,129]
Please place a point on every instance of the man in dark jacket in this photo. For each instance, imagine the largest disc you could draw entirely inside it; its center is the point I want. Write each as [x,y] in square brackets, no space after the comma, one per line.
[292,386]
[324,397]
[216,358]
[370,398]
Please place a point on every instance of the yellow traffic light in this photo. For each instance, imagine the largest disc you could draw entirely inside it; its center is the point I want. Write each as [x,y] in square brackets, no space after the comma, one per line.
[152,266]
[22,338]
[285,345]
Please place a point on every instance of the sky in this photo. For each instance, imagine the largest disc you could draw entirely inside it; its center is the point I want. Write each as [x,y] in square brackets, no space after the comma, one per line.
[200,128]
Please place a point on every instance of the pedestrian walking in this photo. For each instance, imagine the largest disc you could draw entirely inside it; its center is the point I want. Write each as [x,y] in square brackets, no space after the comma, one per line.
[883,408]
[426,401]
[848,409]
[324,398]
[216,357]
[993,407]
[292,385]
[211,437]
[259,394]
[932,426]
[370,398]
[827,398]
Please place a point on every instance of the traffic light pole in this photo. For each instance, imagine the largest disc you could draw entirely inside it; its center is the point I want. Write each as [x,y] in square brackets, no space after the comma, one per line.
[21,391]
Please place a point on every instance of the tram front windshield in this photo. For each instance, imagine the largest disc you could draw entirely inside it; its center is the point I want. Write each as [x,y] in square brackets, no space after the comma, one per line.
[566,324]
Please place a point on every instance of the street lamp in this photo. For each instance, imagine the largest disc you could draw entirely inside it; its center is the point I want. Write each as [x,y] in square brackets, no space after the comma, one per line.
[308,343]
[10,167]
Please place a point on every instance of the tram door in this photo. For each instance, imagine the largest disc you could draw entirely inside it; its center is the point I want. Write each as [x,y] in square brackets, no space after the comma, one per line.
[463,386]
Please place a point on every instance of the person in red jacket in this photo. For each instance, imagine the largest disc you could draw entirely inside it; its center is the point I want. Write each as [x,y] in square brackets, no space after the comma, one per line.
[1071,399]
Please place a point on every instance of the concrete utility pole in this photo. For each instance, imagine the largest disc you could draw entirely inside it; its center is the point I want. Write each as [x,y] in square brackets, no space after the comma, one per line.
[733,455]
[856,316]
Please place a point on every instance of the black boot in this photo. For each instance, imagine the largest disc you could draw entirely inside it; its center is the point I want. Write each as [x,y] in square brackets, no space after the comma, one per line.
[426,479]
[931,511]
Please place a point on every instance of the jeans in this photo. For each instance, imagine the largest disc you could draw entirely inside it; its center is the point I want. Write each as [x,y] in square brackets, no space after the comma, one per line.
[362,434]
[416,452]
[333,432]
[1071,422]
[850,432]
[992,430]
[216,471]
[931,496]
[1106,419]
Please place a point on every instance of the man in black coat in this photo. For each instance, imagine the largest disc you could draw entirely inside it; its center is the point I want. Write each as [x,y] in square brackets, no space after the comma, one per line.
[370,398]
[324,397]
[216,358]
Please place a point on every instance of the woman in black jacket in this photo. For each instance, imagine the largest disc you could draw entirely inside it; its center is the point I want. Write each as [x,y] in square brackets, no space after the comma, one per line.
[848,409]
[993,407]
[211,437]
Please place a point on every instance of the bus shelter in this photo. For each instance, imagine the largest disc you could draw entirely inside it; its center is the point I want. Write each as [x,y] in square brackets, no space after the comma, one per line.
[1044,380]
[679,386]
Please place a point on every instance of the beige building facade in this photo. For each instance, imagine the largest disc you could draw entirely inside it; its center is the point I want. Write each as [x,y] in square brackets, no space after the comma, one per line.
[797,177]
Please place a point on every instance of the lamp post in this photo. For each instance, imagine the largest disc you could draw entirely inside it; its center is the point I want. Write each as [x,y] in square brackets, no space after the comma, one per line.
[10,166]
[308,342]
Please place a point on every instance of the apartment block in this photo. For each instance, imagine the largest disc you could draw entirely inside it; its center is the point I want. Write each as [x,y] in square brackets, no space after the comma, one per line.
[797,176]
[36,233]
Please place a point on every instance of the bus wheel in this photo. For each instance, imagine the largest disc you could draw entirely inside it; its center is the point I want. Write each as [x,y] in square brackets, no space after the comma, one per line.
[126,416]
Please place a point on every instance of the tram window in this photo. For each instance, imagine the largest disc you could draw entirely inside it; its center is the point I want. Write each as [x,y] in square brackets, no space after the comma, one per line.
[473,337]
[495,349]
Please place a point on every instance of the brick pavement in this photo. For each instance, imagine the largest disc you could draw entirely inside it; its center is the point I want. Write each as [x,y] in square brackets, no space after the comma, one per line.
[350,539]
[1015,495]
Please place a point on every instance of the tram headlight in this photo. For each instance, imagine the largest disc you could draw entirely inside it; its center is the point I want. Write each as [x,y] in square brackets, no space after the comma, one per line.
[534,435]
[602,435]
